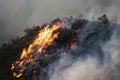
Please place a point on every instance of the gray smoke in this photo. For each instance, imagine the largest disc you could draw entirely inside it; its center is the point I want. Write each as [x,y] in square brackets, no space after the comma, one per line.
[90,68]
[17,15]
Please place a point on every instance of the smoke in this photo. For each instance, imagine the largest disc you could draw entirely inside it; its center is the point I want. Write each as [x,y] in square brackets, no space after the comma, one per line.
[90,68]
[17,15]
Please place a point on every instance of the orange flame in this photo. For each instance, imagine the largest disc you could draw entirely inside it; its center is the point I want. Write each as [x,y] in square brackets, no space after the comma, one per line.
[72,44]
[44,38]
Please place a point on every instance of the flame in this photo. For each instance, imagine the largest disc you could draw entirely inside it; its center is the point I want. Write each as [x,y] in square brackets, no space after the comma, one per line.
[12,66]
[15,74]
[72,44]
[44,38]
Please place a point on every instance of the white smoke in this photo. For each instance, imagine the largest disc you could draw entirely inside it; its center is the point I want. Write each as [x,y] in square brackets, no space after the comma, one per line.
[90,68]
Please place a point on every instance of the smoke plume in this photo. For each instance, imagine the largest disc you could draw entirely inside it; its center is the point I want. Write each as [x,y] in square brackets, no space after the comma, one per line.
[90,67]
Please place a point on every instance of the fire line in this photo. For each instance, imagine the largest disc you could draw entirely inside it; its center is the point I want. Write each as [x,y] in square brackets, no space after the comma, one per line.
[44,38]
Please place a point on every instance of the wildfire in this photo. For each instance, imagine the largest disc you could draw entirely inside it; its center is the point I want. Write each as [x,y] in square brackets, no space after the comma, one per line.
[44,38]
[72,44]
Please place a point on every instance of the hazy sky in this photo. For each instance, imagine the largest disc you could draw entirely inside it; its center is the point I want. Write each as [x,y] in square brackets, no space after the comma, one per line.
[17,15]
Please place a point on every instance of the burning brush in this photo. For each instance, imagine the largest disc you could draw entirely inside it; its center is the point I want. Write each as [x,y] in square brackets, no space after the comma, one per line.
[50,39]
[80,38]
[29,56]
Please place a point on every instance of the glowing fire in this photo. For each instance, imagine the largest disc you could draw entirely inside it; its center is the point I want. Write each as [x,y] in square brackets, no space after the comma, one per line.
[44,38]
[73,44]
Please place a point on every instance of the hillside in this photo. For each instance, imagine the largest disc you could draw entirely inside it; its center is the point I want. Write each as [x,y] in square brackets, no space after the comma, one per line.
[77,38]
